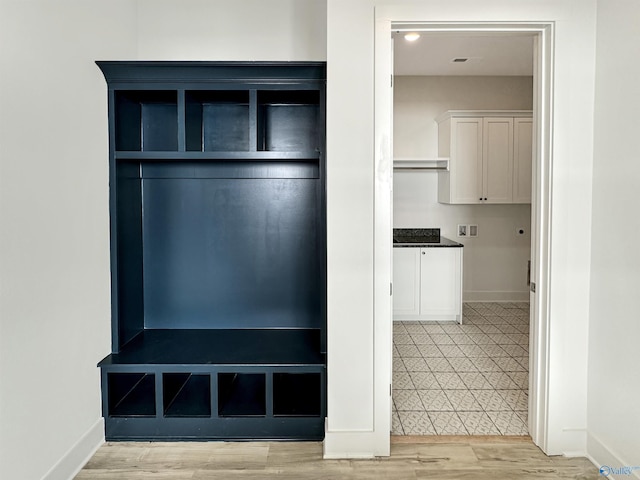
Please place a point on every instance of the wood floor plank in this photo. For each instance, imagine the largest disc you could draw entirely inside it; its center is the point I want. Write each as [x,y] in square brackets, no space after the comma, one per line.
[433,456]
[459,458]
[209,455]
[134,474]
[467,439]
[513,474]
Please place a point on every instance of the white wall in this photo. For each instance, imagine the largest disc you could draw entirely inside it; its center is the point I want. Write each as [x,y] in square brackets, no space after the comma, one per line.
[274,30]
[351,178]
[54,250]
[495,263]
[350,374]
[614,330]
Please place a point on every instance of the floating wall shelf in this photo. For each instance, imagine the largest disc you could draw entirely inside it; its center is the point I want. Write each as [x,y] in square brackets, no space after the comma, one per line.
[438,164]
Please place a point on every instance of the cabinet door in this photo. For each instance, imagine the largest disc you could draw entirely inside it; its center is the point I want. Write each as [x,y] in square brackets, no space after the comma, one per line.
[440,282]
[406,281]
[466,160]
[497,173]
[522,159]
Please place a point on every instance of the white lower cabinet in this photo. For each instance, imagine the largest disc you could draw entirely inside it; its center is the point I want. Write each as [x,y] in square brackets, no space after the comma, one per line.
[427,283]
[406,281]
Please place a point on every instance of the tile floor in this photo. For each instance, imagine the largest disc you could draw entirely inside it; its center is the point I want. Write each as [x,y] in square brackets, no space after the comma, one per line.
[470,379]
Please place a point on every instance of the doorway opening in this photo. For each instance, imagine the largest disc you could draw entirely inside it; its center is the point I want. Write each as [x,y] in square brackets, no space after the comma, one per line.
[515,322]
[462,123]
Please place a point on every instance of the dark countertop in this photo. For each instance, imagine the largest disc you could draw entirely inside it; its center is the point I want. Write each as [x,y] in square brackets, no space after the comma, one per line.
[421,237]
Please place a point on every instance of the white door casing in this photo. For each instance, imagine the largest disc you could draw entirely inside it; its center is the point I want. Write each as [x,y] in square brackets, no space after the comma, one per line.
[539,349]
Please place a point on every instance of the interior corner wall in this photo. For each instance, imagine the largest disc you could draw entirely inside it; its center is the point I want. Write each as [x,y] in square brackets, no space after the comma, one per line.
[495,262]
[54,244]
[613,392]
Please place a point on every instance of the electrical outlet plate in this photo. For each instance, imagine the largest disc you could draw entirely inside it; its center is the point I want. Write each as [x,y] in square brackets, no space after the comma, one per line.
[473,230]
[462,230]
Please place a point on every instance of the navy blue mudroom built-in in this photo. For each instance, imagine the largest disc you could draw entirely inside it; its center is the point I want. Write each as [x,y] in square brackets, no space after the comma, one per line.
[218,251]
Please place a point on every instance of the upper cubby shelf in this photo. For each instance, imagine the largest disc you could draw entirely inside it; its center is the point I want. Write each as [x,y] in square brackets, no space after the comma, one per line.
[218,121]
[307,155]
[217,124]
[146,121]
[221,111]
[288,120]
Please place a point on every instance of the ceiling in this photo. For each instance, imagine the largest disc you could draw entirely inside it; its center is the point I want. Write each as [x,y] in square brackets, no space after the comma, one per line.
[486,54]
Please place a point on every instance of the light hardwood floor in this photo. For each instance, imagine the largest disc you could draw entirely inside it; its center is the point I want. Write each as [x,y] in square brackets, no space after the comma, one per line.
[439,457]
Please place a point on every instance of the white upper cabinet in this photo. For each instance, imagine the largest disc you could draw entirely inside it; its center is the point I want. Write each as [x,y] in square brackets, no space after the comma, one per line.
[460,139]
[497,160]
[487,157]
[522,158]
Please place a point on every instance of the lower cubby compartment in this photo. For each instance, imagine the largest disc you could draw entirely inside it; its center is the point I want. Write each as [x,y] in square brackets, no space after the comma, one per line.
[131,394]
[222,385]
[241,394]
[186,395]
[297,394]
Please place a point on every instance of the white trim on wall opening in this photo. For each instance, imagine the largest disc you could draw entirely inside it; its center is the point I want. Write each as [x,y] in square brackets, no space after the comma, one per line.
[386,22]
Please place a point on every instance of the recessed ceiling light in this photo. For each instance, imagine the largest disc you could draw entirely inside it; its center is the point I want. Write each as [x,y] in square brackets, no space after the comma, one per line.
[412,36]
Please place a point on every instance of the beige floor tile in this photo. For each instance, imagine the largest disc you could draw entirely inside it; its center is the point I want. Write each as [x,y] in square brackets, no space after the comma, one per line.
[463,400]
[509,423]
[430,351]
[451,351]
[439,364]
[421,339]
[402,381]
[490,400]
[416,364]
[416,423]
[424,380]
[463,364]
[474,381]
[478,423]
[406,400]
[450,381]
[475,369]
[435,400]
[500,381]
[402,339]
[396,425]
[447,423]
[408,350]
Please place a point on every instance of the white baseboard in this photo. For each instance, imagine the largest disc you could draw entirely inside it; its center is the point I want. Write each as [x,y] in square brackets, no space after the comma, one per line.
[600,455]
[481,296]
[78,455]
[354,444]
[426,318]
